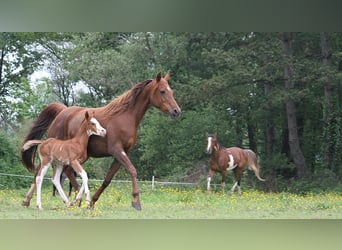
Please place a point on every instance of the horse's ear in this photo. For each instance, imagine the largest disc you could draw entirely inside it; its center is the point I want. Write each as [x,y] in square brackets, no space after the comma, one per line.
[167,76]
[86,115]
[158,76]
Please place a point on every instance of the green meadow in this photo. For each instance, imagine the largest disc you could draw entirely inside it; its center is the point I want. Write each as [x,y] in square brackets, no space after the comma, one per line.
[165,202]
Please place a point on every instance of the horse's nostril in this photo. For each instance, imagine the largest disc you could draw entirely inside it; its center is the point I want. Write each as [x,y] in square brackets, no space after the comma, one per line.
[176,112]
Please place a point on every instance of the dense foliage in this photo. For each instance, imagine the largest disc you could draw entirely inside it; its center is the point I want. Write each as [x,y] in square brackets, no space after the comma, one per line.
[279,94]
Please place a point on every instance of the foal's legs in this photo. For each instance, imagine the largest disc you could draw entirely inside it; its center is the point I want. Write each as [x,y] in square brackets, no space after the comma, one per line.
[84,188]
[28,197]
[39,181]
[56,181]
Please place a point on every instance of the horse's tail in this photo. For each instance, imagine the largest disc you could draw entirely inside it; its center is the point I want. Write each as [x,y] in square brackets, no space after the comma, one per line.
[253,163]
[40,126]
[30,144]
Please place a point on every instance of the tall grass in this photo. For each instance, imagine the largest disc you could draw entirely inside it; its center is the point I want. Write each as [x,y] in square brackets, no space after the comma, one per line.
[172,203]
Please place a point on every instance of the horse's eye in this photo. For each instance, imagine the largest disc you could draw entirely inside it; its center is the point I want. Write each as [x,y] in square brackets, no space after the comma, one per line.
[162,91]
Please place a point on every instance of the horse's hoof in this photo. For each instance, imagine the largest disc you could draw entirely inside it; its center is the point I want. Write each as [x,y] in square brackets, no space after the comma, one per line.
[78,202]
[136,205]
[25,203]
[91,205]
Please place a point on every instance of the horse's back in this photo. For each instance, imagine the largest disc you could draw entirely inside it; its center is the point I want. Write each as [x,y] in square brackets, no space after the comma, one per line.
[59,126]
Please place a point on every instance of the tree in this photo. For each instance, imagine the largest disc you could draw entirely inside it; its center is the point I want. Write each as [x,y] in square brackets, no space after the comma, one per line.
[296,151]
[328,107]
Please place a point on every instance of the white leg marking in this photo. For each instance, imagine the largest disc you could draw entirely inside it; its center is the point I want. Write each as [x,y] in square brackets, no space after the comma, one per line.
[208,183]
[39,182]
[233,188]
[209,144]
[56,181]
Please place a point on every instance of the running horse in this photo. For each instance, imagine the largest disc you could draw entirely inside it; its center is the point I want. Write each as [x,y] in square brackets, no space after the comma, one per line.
[223,159]
[59,152]
[121,117]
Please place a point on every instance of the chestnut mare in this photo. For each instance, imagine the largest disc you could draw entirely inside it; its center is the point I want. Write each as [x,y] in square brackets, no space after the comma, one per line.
[59,152]
[121,118]
[223,159]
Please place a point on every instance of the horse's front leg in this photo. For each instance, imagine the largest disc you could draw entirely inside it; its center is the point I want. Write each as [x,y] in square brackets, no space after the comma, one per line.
[122,157]
[210,175]
[111,172]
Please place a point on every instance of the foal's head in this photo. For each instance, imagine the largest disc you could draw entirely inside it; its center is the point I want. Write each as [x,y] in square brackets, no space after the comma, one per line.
[93,125]
[212,143]
[162,96]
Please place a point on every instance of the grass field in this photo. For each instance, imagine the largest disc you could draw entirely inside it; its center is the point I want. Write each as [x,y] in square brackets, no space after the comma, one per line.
[175,203]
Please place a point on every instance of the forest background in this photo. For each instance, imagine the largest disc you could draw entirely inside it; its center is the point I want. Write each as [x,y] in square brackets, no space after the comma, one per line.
[279,94]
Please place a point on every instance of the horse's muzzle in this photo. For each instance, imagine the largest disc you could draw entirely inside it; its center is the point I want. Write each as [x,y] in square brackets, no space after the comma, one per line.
[175,113]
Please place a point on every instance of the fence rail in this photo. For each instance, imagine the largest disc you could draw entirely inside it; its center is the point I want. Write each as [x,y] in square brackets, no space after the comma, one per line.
[152,181]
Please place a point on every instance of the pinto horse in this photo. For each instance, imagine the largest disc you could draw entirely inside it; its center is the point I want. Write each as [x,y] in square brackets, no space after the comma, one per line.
[71,152]
[121,117]
[223,159]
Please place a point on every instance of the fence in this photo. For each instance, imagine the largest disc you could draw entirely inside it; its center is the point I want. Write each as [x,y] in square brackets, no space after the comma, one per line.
[153,181]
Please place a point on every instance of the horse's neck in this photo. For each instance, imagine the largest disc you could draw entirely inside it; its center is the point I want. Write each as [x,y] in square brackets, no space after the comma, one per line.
[217,151]
[138,109]
[81,136]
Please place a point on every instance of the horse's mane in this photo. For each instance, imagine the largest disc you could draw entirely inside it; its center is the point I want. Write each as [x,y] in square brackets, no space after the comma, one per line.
[127,99]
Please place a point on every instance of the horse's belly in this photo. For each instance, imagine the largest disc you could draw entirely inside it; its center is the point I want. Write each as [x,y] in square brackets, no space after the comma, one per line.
[97,147]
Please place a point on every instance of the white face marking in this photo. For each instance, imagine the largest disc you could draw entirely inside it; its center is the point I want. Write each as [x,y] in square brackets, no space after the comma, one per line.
[168,88]
[123,153]
[99,129]
[209,144]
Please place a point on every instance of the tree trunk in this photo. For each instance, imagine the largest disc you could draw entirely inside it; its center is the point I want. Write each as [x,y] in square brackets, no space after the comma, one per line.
[328,141]
[268,122]
[295,148]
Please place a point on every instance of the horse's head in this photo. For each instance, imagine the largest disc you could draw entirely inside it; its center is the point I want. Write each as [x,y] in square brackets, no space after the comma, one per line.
[211,143]
[162,96]
[93,125]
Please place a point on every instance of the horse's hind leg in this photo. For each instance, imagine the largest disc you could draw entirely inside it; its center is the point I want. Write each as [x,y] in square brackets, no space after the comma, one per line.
[26,201]
[56,181]
[237,175]
[223,181]
[39,182]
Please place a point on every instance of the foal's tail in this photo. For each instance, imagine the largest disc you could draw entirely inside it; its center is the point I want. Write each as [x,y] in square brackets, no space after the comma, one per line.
[253,163]
[30,144]
[40,126]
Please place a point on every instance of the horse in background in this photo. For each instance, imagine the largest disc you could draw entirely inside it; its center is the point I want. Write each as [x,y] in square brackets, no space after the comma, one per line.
[61,152]
[223,159]
[121,117]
